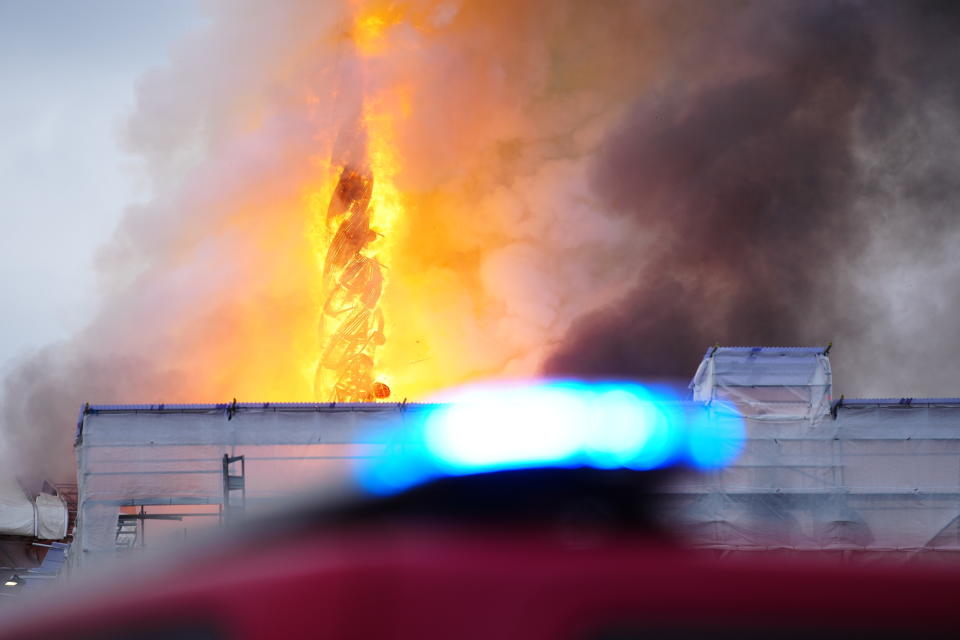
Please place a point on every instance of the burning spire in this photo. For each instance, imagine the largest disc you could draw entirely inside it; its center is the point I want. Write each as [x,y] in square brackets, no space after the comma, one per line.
[361,208]
[351,323]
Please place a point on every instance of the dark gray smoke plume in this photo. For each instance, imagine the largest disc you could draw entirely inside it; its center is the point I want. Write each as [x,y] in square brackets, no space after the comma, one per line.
[803,160]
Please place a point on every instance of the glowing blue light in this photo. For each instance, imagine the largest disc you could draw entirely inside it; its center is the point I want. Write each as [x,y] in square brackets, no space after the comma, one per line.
[627,427]
[716,437]
[556,424]
[507,427]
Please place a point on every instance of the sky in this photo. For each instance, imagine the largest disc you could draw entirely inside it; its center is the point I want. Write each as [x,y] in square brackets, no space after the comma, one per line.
[69,73]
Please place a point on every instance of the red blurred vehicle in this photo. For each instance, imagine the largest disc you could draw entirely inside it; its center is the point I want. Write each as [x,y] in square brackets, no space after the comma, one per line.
[536,554]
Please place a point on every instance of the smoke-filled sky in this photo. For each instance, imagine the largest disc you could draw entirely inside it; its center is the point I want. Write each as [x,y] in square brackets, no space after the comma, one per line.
[584,188]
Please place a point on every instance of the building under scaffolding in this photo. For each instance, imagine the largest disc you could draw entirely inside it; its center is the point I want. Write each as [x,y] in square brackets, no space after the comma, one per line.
[861,477]
[175,467]
[855,477]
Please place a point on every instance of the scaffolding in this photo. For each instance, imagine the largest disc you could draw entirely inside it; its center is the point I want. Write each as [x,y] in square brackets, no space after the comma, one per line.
[767,383]
[873,477]
[175,468]
[856,477]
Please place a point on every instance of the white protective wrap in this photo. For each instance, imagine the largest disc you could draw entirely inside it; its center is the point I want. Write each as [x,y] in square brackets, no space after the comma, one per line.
[134,456]
[17,516]
[868,478]
[44,518]
[51,517]
[880,477]
[767,383]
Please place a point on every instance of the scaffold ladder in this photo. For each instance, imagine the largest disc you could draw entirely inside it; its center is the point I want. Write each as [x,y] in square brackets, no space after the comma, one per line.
[234,489]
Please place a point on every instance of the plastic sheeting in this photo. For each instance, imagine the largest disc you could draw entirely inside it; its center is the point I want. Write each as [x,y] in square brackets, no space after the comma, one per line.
[883,476]
[45,517]
[874,477]
[132,456]
[16,510]
[51,517]
[767,383]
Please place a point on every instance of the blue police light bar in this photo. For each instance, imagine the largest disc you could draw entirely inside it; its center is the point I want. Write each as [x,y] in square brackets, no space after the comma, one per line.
[561,424]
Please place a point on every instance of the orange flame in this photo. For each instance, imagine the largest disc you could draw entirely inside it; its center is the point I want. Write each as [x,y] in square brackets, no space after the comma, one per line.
[370,28]
[449,272]
[363,212]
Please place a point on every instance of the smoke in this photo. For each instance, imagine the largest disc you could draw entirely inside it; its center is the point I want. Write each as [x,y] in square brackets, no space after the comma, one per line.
[800,179]
[211,286]
[589,188]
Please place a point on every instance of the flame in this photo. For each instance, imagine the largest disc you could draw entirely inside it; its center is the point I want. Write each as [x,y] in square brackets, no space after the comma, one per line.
[422,319]
[371,26]
[477,242]
[364,210]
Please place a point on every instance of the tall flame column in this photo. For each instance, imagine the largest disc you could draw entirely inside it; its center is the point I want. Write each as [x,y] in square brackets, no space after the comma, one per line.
[351,322]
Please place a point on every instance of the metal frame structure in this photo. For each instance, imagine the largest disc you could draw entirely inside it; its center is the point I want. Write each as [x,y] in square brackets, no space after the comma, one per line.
[231,510]
[167,462]
[859,477]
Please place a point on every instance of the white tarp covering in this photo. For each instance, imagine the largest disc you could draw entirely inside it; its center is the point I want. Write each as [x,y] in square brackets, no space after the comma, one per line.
[871,477]
[767,383]
[51,517]
[16,510]
[45,517]
[881,476]
[173,455]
